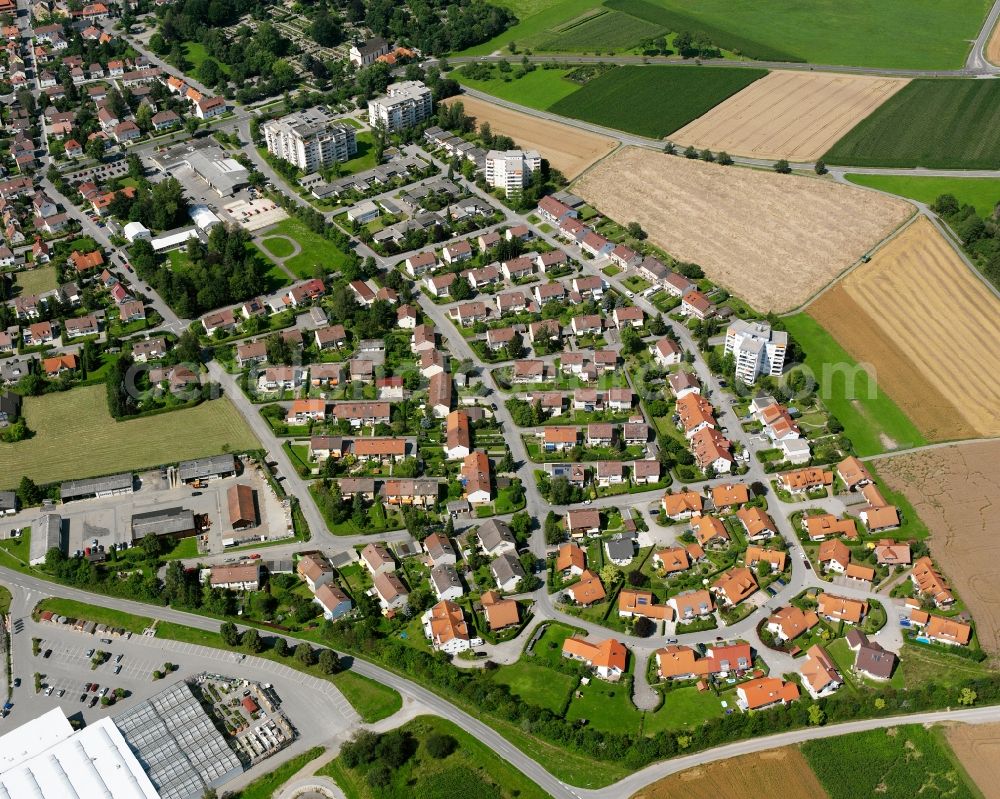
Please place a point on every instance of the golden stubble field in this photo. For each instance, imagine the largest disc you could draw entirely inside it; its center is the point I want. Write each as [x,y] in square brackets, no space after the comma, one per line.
[793,115]
[774,240]
[929,327]
[956,492]
[776,772]
[977,747]
[568,149]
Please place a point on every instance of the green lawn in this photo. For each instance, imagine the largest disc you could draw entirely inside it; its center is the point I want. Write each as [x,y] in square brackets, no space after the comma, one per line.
[36,281]
[5,598]
[537,20]
[100,445]
[538,89]
[938,124]
[278,246]
[867,414]
[183,549]
[897,763]
[82,610]
[924,34]
[981,193]
[919,665]
[316,250]
[537,685]
[265,787]
[365,157]
[274,276]
[634,98]
[371,699]
[605,706]
[687,708]
[196,54]
[471,771]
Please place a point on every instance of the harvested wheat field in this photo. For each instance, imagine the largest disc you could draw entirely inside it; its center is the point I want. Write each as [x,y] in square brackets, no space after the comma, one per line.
[993,46]
[774,240]
[777,772]
[955,490]
[927,326]
[978,749]
[793,115]
[568,149]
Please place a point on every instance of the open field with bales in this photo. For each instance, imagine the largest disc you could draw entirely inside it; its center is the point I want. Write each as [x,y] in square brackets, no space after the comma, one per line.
[956,492]
[937,124]
[568,149]
[774,240]
[897,763]
[883,314]
[653,101]
[983,194]
[977,747]
[75,436]
[776,772]
[793,115]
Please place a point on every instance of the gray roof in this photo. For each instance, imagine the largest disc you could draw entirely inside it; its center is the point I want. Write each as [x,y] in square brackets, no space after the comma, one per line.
[620,548]
[10,404]
[207,467]
[875,660]
[506,567]
[492,533]
[162,522]
[178,744]
[75,489]
[46,534]
[444,577]
[8,500]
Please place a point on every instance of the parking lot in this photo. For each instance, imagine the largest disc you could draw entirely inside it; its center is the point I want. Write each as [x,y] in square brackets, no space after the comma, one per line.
[255,214]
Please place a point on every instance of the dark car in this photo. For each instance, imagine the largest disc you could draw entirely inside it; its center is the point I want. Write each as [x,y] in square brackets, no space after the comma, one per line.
[93,701]
[83,697]
[17,682]
[48,653]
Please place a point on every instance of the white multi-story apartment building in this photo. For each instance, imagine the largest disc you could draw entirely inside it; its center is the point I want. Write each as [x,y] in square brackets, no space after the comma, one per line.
[756,348]
[310,139]
[403,105]
[511,170]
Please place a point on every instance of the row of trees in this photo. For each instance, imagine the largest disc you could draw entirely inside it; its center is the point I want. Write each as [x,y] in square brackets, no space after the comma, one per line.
[980,237]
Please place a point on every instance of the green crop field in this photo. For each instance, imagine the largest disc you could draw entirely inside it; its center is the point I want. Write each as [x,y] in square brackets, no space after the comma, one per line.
[898,763]
[538,89]
[654,101]
[869,412]
[604,31]
[938,124]
[906,34]
[75,436]
[981,193]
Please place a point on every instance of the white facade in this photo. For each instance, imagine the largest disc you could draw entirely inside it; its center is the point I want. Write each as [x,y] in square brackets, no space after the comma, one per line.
[310,139]
[404,105]
[511,170]
[756,348]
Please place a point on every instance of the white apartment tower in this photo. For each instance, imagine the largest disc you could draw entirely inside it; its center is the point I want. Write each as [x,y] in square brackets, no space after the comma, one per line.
[404,105]
[511,170]
[311,139]
[756,348]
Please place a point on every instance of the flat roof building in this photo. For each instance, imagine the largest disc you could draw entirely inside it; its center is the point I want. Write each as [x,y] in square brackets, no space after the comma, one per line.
[175,522]
[403,105]
[311,139]
[183,752]
[511,170]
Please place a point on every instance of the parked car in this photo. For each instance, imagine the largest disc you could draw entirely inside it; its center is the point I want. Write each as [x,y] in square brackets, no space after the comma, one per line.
[90,653]
[83,697]
[118,669]
[17,682]
[105,640]
[93,701]
[119,658]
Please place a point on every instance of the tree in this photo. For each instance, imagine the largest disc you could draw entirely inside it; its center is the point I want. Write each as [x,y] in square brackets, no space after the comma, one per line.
[209,72]
[95,148]
[280,647]
[781,166]
[763,568]
[816,716]
[820,167]
[329,663]
[506,463]
[631,340]
[151,546]
[724,158]
[230,634]
[690,152]
[440,745]
[554,532]
[191,125]
[460,289]
[706,155]
[515,349]
[968,697]
[643,627]
[610,574]
[635,230]
[251,641]
[28,493]
[305,655]
[144,119]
